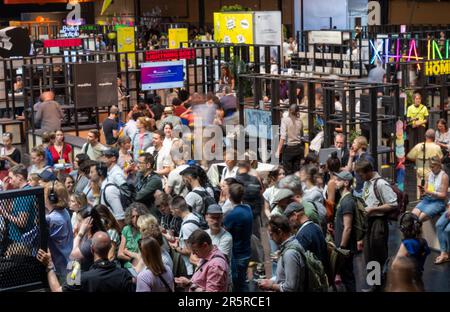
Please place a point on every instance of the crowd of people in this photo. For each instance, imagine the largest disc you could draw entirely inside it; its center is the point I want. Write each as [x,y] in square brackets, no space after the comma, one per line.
[136,214]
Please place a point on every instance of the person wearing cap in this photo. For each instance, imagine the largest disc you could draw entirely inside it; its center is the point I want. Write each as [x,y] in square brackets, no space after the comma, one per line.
[115,173]
[169,118]
[344,236]
[309,234]
[46,176]
[281,199]
[290,145]
[111,126]
[219,236]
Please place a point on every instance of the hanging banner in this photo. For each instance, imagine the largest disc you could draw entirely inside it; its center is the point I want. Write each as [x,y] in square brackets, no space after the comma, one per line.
[126,43]
[177,36]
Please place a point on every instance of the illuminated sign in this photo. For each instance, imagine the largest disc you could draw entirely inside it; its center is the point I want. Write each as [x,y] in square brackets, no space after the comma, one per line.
[62,43]
[70,31]
[168,55]
[382,51]
[437,68]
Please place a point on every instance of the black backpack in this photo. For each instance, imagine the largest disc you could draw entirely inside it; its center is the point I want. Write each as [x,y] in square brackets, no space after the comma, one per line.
[252,194]
[127,194]
[208,200]
[201,223]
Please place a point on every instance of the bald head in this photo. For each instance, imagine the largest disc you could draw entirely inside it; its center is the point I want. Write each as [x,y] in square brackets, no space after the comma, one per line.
[430,135]
[101,244]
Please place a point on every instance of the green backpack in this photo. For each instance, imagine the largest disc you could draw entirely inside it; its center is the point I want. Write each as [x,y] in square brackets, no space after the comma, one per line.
[360,218]
[316,279]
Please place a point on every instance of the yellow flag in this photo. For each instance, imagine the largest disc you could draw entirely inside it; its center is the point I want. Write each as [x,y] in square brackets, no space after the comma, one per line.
[106,4]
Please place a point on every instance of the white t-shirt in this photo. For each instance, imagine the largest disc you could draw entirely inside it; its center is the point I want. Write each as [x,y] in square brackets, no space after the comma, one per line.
[187,228]
[163,158]
[175,181]
[223,241]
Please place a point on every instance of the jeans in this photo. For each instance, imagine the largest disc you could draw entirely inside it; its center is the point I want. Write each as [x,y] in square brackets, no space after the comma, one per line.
[239,274]
[273,248]
[443,232]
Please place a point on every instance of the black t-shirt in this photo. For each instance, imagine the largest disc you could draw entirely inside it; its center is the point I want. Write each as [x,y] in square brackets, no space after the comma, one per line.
[104,276]
[347,205]
[108,126]
[16,156]
[158,110]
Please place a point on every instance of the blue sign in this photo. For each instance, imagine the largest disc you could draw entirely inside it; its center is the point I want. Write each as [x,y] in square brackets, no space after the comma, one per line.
[258,123]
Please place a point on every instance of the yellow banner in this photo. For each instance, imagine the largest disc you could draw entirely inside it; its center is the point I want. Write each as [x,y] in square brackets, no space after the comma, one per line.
[126,43]
[233,27]
[177,36]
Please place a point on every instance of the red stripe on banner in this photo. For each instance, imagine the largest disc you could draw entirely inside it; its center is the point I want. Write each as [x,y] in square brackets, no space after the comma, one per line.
[62,43]
[170,54]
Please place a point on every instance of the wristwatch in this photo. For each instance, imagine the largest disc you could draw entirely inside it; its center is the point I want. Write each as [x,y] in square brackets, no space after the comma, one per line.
[48,269]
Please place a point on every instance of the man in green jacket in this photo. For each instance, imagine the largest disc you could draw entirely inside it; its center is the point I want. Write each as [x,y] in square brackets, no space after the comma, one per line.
[147,182]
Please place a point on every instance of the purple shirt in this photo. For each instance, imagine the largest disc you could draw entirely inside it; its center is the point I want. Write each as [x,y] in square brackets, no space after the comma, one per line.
[148,282]
[212,272]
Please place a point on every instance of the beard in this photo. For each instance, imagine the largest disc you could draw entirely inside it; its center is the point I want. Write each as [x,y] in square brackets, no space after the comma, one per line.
[189,187]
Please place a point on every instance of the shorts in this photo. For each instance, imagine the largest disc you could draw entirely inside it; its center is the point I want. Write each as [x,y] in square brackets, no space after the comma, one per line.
[431,207]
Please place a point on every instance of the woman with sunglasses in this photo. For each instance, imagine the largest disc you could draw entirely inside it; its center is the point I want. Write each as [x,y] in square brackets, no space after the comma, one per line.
[9,155]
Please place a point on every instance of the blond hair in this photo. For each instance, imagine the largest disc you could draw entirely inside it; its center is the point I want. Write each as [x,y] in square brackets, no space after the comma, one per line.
[145,222]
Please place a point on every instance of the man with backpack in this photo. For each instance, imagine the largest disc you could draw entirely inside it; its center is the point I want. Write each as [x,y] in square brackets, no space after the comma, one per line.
[238,222]
[344,234]
[191,222]
[252,193]
[291,268]
[380,200]
[110,196]
[309,234]
[147,181]
[115,173]
[198,198]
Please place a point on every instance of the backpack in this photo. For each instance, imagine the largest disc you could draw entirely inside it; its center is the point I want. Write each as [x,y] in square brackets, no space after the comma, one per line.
[207,200]
[179,268]
[252,195]
[127,194]
[360,218]
[316,279]
[402,200]
[202,224]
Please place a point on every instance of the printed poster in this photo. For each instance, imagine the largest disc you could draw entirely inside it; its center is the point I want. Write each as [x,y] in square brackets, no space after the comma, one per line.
[126,43]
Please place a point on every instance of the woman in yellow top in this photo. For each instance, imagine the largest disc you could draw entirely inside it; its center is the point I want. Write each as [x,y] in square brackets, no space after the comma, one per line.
[417,121]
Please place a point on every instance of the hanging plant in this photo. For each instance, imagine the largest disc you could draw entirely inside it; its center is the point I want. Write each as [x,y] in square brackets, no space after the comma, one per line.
[233,8]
